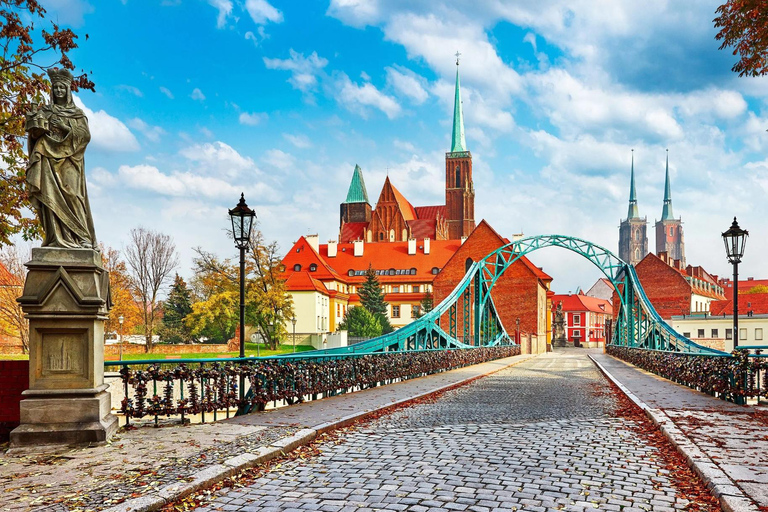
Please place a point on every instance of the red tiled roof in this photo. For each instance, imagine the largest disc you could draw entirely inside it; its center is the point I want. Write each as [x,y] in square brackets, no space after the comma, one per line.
[302,282]
[580,302]
[422,228]
[409,213]
[391,255]
[351,231]
[748,284]
[430,212]
[757,303]
[304,255]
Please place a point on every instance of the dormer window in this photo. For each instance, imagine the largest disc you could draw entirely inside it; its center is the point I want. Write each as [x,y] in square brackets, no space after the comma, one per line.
[435,271]
[313,267]
[297,268]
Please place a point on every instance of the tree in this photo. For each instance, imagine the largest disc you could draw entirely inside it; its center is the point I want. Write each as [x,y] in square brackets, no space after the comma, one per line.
[761,288]
[215,318]
[361,322]
[743,26]
[13,273]
[427,304]
[151,258]
[217,283]
[26,53]
[372,299]
[121,289]
[175,310]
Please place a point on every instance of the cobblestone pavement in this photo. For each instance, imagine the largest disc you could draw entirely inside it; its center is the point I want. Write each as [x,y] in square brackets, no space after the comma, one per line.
[538,436]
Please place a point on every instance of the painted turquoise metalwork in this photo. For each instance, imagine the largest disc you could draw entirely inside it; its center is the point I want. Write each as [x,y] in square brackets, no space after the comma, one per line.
[458,144]
[357,192]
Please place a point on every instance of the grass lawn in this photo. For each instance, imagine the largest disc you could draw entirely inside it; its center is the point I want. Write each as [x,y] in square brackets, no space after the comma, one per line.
[250,351]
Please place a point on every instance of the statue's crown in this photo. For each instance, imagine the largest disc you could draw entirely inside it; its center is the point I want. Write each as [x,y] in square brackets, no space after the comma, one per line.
[60,75]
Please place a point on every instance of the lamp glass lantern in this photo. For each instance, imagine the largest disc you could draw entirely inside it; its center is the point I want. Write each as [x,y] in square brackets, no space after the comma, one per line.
[735,239]
[242,222]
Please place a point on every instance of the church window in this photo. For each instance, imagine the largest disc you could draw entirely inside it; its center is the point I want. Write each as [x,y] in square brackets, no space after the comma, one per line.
[458,177]
[297,268]
[637,235]
[381,236]
[637,254]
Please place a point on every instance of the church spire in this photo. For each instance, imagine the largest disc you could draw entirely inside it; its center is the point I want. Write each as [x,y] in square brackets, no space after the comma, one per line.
[666,213]
[633,212]
[458,143]
[357,192]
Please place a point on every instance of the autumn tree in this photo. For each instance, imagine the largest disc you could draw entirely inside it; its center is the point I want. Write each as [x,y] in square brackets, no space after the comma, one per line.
[217,284]
[176,308]
[360,322]
[761,288]
[372,299]
[151,258]
[121,289]
[743,26]
[30,45]
[12,276]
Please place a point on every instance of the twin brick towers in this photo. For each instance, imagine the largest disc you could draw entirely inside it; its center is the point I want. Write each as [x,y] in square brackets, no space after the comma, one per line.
[633,239]
[395,219]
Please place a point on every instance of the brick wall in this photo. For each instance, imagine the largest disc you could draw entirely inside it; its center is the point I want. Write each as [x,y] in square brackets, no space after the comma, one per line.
[666,288]
[14,379]
[515,293]
[111,352]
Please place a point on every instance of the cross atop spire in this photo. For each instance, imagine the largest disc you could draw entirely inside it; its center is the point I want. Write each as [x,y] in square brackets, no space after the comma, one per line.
[666,213]
[458,143]
[633,212]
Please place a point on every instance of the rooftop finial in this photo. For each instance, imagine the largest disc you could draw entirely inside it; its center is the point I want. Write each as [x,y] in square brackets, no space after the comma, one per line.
[457,57]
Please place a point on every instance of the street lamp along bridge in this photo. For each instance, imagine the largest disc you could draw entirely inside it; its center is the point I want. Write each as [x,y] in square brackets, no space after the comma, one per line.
[463,329]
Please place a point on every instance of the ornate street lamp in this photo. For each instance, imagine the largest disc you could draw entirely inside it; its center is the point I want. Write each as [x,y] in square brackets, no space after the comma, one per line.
[735,239]
[293,321]
[120,321]
[242,221]
[517,331]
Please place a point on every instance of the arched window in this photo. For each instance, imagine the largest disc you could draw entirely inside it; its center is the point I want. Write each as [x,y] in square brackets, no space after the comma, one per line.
[381,236]
[637,235]
[312,267]
[468,264]
[435,271]
[458,177]
[297,268]
[637,254]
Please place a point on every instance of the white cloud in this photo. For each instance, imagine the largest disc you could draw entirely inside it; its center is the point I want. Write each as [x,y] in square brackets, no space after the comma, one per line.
[357,13]
[218,159]
[252,119]
[298,140]
[167,92]
[152,133]
[131,89]
[197,95]
[68,12]
[408,84]
[258,37]
[262,12]
[108,133]
[177,184]
[357,98]
[225,9]
[303,69]
[279,159]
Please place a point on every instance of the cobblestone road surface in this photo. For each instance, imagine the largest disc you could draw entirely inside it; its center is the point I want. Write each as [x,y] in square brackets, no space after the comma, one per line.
[538,436]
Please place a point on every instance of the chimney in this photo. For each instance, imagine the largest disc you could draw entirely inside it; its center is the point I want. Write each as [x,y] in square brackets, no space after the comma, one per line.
[463,239]
[313,241]
[426,246]
[332,248]
[358,247]
[411,246]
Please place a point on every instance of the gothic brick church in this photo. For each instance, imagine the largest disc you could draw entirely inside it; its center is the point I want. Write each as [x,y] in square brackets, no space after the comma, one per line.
[395,219]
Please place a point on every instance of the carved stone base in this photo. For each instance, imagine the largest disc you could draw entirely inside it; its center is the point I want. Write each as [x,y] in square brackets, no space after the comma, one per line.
[65,418]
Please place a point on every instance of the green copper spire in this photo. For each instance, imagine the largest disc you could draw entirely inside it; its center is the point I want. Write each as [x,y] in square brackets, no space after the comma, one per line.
[357,192]
[666,213]
[633,213]
[457,139]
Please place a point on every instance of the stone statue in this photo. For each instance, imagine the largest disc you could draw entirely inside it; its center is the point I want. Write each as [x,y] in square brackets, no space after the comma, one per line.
[58,135]
[558,327]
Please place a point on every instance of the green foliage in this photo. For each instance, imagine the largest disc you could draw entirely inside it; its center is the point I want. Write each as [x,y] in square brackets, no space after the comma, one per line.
[175,310]
[360,322]
[372,299]
[427,304]
[215,318]
[761,288]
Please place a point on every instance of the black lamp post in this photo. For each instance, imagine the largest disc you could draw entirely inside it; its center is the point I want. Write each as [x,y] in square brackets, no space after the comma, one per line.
[735,239]
[120,320]
[242,221]
[517,331]
[293,321]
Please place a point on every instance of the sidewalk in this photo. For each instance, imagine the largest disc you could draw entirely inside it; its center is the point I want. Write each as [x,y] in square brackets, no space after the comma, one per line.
[726,444]
[142,469]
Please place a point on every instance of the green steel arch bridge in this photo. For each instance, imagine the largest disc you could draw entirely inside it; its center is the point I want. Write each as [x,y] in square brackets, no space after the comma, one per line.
[468,318]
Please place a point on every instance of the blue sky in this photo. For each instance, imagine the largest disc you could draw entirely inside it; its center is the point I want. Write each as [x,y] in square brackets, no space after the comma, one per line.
[198,100]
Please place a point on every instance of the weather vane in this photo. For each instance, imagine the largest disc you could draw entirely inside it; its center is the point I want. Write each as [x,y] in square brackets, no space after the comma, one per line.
[457,57]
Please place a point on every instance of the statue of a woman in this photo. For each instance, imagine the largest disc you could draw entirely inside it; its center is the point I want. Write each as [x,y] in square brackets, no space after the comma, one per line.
[58,135]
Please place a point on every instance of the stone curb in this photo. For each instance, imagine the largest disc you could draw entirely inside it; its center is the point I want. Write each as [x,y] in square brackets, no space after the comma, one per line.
[732,499]
[217,472]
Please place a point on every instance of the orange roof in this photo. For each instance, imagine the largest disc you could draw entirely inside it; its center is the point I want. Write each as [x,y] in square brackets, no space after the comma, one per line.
[406,208]
[302,282]
[579,302]
[353,231]
[757,303]
[302,256]
[422,228]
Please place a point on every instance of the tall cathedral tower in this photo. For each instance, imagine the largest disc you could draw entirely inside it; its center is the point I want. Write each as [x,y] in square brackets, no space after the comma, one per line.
[459,189]
[633,239]
[669,230]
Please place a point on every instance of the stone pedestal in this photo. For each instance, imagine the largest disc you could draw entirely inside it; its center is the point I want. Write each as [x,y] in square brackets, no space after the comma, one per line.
[66,298]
